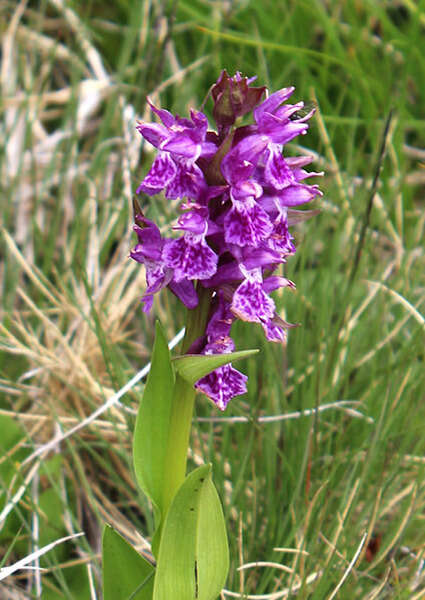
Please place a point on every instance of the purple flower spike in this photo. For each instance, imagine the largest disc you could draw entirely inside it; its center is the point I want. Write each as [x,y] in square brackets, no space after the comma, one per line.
[239,191]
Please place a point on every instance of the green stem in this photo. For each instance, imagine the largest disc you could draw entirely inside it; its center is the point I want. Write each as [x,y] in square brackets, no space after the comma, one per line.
[183,402]
[197,319]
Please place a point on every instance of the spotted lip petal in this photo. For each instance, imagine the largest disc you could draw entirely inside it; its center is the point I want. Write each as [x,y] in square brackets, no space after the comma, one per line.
[230,271]
[280,239]
[162,172]
[188,181]
[250,301]
[190,257]
[222,385]
[246,224]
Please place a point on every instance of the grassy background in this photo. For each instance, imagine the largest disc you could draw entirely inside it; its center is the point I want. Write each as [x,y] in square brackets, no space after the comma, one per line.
[303,495]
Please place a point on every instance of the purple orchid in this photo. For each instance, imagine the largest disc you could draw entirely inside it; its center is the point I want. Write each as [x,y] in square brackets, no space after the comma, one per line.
[150,251]
[239,190]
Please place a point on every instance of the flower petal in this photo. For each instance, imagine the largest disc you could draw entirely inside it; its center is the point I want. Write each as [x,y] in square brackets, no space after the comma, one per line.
[185,291]
[250,302]
[200,122]
[239,164]
[280,239]
[188,181]
[246,224]
[274,282]
[272,103]
[154,133]
[298,193]
[194,220]
[277,173]
[219,326]
[156,278]
[284,133]
[166,117]
[162,172]
[190,257]
[150,242]
[274,333]
[222,385]
[182,144]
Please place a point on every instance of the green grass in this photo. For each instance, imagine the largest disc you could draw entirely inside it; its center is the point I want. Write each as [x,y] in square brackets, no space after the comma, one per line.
[321,485]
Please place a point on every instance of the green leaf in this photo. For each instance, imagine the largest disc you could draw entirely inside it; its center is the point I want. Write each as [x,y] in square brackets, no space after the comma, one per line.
[126,574]
[151,432]
[194,366]
[193,555]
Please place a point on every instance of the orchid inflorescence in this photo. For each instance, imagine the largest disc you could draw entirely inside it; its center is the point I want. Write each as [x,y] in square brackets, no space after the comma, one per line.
[238,193]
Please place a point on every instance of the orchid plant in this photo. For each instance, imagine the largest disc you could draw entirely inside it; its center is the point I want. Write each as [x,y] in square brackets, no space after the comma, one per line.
[239,191]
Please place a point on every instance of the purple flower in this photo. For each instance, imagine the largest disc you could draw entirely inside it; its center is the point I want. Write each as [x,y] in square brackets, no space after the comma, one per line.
[180,142]
[239,189]
[150,252]
[225,382]
[190,256]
